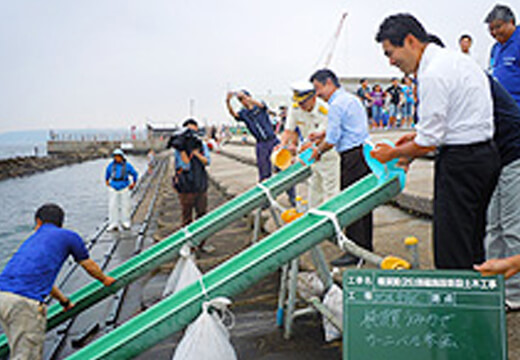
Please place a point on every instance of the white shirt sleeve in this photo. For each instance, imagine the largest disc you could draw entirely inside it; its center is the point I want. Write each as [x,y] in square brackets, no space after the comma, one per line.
[291,119]
[433,109]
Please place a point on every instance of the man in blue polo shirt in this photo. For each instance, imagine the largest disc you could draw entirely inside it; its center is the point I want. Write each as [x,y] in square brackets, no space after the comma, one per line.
[347,130]
[505,53]
[28,279]
[117,177]
[254,115]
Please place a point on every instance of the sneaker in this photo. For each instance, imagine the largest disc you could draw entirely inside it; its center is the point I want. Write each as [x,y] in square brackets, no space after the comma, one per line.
[113,227]
[346,259]
[512,306]
[126,226]
[206,248]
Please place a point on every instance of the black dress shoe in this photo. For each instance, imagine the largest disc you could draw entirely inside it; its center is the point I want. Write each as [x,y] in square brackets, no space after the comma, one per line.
[346,259]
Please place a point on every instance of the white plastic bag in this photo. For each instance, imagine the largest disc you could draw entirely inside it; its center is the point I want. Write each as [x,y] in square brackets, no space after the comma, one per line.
[309,285]
[334,302]
[184,273]
[207,338]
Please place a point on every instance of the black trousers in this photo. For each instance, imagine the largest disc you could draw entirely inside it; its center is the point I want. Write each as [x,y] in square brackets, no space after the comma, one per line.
[353,168]
[465,177]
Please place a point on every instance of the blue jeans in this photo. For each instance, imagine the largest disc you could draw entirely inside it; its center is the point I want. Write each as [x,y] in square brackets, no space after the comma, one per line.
[407,109]
[377,113]
[392,110]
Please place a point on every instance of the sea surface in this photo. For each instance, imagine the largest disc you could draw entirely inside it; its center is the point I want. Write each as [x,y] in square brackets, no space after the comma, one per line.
[79,189]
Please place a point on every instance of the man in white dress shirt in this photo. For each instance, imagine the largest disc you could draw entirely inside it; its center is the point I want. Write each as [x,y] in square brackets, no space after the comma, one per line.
[456,117]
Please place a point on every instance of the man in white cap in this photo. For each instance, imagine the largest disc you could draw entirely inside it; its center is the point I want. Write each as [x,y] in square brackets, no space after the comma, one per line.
[306,122]
[117,178]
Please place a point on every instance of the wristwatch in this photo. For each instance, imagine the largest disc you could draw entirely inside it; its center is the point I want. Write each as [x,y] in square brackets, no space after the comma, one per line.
[65,303]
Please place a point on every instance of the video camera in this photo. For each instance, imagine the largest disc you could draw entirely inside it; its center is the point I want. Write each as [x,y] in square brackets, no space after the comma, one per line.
[185,140]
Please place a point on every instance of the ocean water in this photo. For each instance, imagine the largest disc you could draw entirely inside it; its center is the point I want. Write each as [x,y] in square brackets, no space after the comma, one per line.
[10,150]
[79,189]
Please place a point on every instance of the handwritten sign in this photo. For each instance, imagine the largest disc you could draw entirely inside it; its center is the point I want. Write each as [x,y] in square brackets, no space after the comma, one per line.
[423,315]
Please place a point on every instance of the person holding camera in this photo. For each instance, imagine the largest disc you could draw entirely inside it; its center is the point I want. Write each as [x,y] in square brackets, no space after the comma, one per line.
[191,179]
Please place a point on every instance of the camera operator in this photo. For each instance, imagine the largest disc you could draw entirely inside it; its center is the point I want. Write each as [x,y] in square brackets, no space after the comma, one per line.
[191,179]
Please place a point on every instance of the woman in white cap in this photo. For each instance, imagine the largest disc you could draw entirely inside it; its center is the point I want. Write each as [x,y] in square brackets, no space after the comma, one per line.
[117,178]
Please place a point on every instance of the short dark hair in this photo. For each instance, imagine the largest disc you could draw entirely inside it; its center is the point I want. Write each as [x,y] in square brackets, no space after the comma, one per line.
[434,39]
[50,213]
[465,36]
[395,28]
[322,75]
[500,12]
[190,121]
[362,80]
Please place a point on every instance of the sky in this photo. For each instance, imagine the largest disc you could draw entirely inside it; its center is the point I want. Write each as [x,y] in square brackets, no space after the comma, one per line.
[88,64]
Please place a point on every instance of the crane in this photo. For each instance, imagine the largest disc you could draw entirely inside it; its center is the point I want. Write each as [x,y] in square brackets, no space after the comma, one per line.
[332,44]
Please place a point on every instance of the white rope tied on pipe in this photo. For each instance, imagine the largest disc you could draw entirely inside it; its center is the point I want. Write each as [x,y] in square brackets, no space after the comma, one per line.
[189,235]
[204,291]
[334,219]
[272,201]
[344,242]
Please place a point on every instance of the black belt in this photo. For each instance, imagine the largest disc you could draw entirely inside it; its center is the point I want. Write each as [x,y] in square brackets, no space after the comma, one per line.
[359,147]
[467,146]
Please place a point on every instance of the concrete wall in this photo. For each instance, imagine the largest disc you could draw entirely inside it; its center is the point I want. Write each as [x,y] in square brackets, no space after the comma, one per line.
[103,148]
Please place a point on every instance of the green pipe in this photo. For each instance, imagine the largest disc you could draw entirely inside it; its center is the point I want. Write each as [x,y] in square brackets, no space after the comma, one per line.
[233,276]
[166,249]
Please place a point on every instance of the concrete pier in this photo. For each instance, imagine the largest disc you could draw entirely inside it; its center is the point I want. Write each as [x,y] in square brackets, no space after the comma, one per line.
[255,335]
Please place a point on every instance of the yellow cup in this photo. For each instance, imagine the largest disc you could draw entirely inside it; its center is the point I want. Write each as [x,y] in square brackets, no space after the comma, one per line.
[281,158]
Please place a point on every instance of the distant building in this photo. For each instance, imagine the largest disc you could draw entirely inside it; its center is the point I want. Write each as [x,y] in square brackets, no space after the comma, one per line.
[160,131]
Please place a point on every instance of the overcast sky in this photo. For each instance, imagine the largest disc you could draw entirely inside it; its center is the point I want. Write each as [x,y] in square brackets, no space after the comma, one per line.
[116,63]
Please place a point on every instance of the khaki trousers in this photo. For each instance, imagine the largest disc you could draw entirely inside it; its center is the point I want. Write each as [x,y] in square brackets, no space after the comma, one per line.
[24,322]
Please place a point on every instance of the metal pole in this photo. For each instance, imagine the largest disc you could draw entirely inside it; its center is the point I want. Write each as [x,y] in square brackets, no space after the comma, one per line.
[293,282]
[256,227]
[321,266]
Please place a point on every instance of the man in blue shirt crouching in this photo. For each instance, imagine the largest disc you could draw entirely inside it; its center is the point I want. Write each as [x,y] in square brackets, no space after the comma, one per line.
[28,279]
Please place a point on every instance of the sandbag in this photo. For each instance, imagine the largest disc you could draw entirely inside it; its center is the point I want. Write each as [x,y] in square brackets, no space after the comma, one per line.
[184,273]
[333,300]
[207,338]
[309,285]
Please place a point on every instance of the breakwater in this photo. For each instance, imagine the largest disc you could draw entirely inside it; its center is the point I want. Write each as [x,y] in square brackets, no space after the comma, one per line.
[27,165]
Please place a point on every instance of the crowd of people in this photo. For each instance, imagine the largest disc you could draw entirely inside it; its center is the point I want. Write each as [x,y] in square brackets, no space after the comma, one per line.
[390,108]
